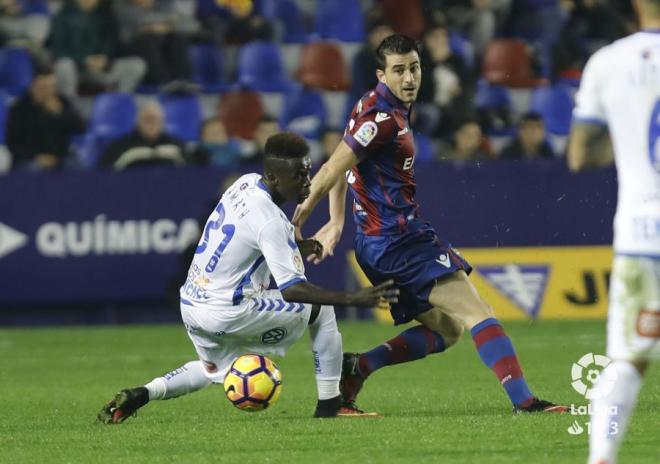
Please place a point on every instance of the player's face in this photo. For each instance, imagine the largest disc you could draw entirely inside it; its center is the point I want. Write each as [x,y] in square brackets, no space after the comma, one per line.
[402,75]
[294,183]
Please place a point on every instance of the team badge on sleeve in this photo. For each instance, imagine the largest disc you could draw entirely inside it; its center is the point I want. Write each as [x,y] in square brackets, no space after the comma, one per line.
[366,133]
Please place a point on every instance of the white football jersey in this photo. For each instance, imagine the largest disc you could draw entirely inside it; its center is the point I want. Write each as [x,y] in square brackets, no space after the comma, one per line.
[245,240]
[621,88]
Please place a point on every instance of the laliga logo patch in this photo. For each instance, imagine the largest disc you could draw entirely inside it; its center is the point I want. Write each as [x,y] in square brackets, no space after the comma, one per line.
[366,133]
[588,371]
[273,335]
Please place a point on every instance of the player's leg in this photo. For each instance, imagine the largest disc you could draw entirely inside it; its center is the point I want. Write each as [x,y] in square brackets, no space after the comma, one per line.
[326,349]
[633,339]
[186,379]
[456,296]
[436,333]
[412,261]
[190,377]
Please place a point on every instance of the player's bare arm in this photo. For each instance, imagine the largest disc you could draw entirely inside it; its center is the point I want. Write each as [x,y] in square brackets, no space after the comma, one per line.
[330,234]
[589,146]
[330,174]
[304,292]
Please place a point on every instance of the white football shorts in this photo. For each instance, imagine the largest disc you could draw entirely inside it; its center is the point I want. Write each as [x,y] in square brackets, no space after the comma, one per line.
[633,326]
[261,325]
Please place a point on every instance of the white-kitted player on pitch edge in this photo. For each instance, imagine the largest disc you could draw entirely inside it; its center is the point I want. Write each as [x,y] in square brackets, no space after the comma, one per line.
[620,90]
[226,306]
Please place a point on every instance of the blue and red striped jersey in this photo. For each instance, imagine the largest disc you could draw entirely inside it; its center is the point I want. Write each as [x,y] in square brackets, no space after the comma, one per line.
[382,183]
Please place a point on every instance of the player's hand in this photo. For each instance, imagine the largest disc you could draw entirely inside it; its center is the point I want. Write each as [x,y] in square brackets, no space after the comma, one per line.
[329,236]
[309,247]
[371,296]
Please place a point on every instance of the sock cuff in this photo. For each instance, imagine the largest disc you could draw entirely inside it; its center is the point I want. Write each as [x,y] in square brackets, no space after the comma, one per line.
[484,325]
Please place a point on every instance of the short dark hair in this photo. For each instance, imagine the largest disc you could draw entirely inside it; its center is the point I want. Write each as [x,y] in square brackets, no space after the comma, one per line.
[395,44]
[531,116]
[286,145]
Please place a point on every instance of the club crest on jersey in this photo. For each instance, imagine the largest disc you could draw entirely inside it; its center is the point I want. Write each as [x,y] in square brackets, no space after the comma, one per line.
[366,133]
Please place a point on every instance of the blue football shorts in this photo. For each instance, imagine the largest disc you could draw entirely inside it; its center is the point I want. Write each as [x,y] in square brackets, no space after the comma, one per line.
[415,260]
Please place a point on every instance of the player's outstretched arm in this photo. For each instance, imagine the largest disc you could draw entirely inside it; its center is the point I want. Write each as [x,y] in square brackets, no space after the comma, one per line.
[305,292]
[330,173]
[589,146]
[330,234]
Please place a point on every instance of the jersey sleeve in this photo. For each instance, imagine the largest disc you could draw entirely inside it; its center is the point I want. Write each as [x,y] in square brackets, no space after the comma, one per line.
[367,134]
[277,244]
[588,100]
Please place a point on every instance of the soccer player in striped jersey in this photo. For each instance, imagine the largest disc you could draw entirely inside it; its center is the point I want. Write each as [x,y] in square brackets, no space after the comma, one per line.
[376,160]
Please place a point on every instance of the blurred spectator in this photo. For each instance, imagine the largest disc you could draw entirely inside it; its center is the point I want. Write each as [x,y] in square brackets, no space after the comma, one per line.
[329,141]
[23,26]
[216,148]
[152,30]
[590,24]
[530,142]
[447,85]
[85,44]
[479,20]
[468,144]
[233,22]
[364,62]
[267,126]
[40,123]
[147,145]
[539,22]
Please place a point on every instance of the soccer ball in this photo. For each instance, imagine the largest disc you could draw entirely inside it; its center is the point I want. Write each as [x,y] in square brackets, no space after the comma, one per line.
[253,383]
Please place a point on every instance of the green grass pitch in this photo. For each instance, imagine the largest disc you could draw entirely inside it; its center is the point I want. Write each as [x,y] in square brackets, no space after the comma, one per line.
[445,408]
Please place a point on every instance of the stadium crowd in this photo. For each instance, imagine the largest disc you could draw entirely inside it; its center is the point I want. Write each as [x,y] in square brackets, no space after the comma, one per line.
[89,84]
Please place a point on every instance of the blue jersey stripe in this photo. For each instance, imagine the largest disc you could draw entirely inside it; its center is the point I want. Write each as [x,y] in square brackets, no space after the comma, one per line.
[238,293]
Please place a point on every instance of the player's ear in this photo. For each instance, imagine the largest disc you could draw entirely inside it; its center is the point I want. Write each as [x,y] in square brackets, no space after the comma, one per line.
[380,75]
[271,177]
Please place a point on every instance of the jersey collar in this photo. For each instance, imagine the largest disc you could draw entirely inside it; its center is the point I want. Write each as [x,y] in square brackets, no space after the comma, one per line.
[262,186]
[384,91]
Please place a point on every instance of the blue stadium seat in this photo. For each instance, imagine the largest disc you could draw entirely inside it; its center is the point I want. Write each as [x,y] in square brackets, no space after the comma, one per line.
[39,7]
[340,19]
[289,14]
[113,115]
[16,70]
[555,104]
[304,112]
[494,104]
[260,67]
[462,47]
[183,116]
[208,68]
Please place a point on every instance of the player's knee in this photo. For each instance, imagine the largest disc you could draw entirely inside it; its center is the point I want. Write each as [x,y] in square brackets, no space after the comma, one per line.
[325,318]
[451,334]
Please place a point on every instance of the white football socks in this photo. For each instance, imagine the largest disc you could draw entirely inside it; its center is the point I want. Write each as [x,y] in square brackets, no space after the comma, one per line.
[611,413]
[327,351]
[186,379]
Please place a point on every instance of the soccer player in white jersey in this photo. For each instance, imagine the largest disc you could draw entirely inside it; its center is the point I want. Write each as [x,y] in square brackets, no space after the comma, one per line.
[620,91]
[226,306]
